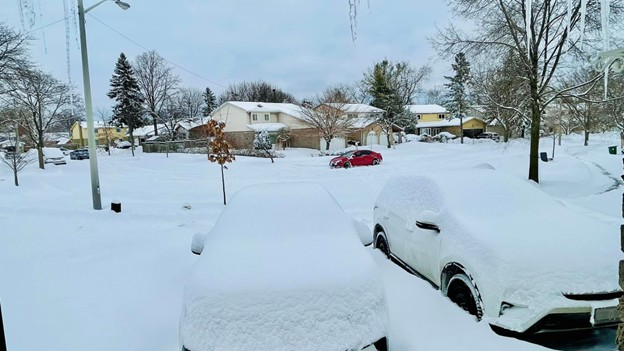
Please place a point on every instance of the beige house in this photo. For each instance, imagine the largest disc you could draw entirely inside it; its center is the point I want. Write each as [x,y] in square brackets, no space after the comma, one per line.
[79,134]
[244,119]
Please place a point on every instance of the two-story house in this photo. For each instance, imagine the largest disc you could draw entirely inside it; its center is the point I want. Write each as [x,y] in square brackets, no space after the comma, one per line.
[434,119]
[244,119]
[79,134]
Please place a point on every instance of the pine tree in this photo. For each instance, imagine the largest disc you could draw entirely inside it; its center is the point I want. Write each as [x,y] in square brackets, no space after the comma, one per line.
[385,96]
[210,102]
[457,96]
[125,91]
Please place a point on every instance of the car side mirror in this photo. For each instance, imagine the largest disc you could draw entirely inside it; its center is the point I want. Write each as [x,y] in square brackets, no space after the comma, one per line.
[428,220]
[364,233]
[197,244]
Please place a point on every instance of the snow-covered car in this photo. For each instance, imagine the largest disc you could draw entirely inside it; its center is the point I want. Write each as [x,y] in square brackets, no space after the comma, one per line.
[356,158]
[283,269]
[123,144]
[53,155]
[522,261]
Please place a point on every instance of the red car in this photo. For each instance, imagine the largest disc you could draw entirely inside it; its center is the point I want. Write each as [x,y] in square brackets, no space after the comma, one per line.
[356,158]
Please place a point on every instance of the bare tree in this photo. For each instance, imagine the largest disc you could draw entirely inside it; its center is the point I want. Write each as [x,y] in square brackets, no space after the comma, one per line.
[45,98]
[255,91]
[107,122]
[327,114]
[13,55]
[191,101]
[14,156]
[157,83]
[504,94]
[539,40]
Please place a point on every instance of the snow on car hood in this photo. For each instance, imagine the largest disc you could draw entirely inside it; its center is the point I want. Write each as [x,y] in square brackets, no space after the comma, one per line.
[283,269]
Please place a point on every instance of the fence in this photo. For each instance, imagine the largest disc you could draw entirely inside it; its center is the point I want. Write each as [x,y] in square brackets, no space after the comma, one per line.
[175,146]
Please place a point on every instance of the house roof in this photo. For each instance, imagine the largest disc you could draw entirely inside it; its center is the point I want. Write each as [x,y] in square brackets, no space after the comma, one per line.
[446,123]
[421,109]
[147,131]
[269,127]
[355,108]
[266,107]
[190,124]
[98,124]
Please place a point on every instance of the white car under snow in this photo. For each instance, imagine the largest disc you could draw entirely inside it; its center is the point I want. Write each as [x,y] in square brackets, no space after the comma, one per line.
[283,269]
[502,249]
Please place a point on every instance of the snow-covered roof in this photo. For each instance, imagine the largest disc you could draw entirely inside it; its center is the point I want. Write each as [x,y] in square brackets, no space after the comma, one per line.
[190,124]
[445,123]
[269,127]
[355,108]
[147,131]
[362,122]
[421,109]
[99,124]
[268,107]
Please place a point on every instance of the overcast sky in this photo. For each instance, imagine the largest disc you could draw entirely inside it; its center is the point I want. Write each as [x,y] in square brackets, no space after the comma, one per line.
[300,46]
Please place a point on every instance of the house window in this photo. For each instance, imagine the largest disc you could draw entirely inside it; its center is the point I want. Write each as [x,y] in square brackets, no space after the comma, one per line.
[266,116]
[118,130]
[418,117]
[441,116]
[254,117]
[95,130]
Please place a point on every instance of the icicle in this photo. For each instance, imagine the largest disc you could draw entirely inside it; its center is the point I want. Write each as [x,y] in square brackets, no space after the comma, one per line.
[604,14]
[583,12]
[68,54]
[528,14]
[569,20]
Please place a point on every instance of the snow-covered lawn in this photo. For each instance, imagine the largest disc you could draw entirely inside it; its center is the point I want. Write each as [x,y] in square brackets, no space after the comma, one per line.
[72,278]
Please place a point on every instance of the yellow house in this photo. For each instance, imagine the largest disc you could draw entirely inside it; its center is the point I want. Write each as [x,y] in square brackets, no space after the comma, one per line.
[434,119]
[79,135]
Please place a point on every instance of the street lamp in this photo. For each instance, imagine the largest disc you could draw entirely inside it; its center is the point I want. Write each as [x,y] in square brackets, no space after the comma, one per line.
[95,181]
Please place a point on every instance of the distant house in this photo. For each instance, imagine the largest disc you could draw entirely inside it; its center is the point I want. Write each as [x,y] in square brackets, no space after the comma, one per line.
[79,134]
[147,133]
[244,119]
[366,129]
[434,119]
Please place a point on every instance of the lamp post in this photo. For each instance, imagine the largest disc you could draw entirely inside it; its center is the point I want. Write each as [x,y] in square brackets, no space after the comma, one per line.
[93,167]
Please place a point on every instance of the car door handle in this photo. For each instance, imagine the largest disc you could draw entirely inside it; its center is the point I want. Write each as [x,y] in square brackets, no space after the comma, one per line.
[427,226]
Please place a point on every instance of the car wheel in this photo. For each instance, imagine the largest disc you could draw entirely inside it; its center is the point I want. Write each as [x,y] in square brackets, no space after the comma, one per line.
[461,290]
[347,165]
[375,162]
[382,244]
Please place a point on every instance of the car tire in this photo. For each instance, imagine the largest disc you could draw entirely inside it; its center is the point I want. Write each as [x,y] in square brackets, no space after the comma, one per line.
[382,245]
[375,162]
[347,165]
[461,290]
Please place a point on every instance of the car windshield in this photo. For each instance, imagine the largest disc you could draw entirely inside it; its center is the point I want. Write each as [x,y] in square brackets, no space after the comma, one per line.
[347,154]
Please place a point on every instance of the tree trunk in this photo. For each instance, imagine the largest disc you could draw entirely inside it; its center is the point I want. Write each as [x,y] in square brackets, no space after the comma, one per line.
[327,142]
[132,141]
[15,174]
[534,153]
[461,129]
[586,139]
[223,184]
[40,157]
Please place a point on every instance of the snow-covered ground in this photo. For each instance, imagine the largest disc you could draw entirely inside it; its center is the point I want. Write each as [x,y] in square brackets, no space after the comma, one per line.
[72,278]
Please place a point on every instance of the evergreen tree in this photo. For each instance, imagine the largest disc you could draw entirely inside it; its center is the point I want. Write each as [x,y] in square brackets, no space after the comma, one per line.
[386,96]
[125,91]
[210,102]
[457,96]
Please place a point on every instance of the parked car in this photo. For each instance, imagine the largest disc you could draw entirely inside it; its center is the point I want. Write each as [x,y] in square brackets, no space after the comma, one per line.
[64,151]
[53,155]
[282,279]
[489,135]
[80,154]
[521,260]
[356,158]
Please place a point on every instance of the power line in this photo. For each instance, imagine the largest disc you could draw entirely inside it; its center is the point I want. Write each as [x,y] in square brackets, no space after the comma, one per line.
[146,49]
